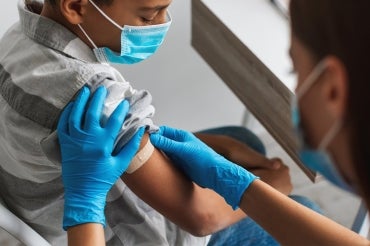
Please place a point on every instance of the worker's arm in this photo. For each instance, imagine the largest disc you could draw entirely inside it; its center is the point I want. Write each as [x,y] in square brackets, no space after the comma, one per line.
[287,221]
[290,223]
[91,234]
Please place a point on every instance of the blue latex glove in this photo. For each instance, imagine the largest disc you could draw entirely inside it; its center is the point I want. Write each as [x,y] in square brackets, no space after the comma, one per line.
[203,165]
[89,169]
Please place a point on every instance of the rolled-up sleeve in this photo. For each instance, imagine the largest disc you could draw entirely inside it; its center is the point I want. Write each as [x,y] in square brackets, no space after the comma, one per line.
[141,109]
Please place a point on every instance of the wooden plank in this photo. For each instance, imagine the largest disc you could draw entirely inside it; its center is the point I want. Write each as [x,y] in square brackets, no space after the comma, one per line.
[265,96]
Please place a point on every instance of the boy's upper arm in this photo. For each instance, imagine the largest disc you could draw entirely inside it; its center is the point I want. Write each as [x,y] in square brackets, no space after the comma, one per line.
[162,186]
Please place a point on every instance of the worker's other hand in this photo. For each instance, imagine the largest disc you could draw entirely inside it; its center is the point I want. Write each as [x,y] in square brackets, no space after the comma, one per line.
[271,171]
[203,165]
[277,178]
[248,158]
[89,167]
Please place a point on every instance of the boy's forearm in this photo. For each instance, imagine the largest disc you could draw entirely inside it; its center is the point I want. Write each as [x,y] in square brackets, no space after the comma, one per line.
[221,144]
[199,211]
[235,151]
[161,185]
[219,216]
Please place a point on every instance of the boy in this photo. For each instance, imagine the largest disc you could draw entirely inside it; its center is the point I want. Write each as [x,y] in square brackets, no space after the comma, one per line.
[53,51]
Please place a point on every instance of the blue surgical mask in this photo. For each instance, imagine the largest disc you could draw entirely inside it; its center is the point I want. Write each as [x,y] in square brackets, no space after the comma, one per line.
[317,159]
[137,42]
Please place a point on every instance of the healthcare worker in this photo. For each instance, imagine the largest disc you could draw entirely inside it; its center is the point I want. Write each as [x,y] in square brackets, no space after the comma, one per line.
[329,44]
[330,51]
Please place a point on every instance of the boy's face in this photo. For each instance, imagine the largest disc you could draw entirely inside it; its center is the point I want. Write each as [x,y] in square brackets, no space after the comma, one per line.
[123,12]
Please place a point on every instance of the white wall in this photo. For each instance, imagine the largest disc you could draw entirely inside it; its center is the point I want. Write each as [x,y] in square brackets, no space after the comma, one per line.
[8,15]
[186,92]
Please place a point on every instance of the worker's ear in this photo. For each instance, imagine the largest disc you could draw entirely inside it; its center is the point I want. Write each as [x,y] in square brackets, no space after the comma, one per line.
[335,88]
[73,10]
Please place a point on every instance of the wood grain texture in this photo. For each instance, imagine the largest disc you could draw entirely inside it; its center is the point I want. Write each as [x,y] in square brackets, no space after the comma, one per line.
[265,96]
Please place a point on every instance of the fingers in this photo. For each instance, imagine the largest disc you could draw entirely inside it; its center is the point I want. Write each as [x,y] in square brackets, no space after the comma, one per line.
[170,139]
[163,143]
[276,163]
[64,120]
[128,152]
[263,162]
[93,113]
[78,109]
[174,134]
[279,178]
[117,118]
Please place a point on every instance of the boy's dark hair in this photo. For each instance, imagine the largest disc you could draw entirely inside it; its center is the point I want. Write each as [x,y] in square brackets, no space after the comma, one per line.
[99,2]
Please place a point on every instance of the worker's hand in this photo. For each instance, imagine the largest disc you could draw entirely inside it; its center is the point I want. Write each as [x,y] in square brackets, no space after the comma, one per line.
[277,178]
[203,165]
[89,167]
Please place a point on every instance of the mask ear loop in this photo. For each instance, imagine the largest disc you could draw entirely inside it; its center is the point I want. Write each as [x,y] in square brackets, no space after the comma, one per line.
[87,36]
[105,15]
[333,131]
[312,78]
[330,135]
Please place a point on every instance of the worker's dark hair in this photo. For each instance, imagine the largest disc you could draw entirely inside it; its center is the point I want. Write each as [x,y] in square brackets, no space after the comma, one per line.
[341,28]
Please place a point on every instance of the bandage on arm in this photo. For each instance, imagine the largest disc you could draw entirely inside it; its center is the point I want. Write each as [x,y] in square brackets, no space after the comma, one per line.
[141,157]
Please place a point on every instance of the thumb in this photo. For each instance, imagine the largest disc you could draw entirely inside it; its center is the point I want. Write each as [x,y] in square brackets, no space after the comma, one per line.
[163,143]
[275,163]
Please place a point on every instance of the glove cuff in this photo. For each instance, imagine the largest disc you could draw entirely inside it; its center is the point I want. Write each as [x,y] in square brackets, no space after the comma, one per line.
[236,180]
[82,212]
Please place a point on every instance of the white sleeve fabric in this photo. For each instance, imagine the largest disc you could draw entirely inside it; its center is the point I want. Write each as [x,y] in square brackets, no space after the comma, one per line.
[141,109]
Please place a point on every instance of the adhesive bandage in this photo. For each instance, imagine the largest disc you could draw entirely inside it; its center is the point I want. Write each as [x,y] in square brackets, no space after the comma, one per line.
[141,157]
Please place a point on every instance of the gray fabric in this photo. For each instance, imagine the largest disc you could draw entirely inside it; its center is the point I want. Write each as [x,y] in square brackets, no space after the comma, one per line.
[42,67]
[13,95]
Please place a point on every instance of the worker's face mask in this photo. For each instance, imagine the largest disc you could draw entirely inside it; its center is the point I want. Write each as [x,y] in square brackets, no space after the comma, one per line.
[317,159]
[137,42]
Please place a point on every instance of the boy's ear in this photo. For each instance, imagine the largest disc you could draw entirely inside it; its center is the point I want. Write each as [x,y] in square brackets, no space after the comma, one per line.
[73,10]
